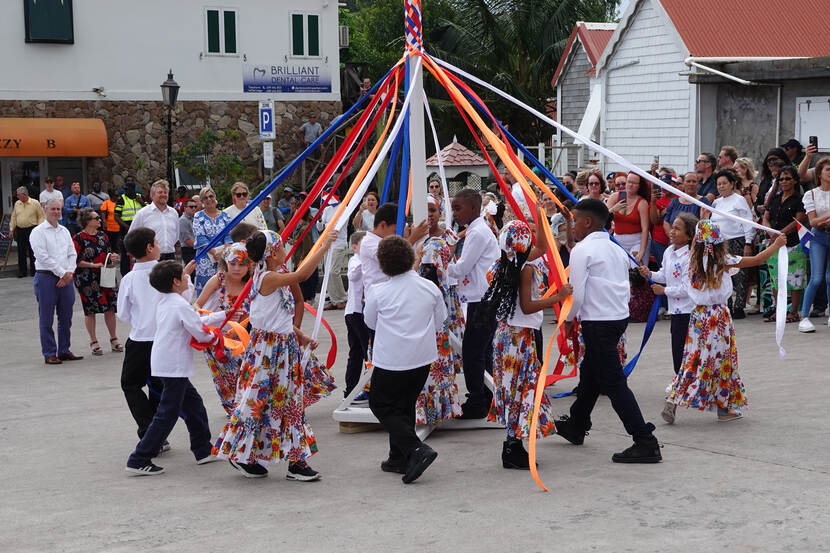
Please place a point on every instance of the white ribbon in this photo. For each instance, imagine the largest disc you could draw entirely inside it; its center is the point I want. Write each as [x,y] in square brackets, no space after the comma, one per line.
[780,317]
[447,210]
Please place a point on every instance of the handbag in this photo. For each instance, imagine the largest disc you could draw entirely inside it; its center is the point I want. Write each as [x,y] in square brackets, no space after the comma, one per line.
[108,274]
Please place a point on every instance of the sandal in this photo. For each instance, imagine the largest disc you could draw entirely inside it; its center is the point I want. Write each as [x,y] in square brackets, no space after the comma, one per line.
[116,347]
[793,318]
[770,318]
[96,350]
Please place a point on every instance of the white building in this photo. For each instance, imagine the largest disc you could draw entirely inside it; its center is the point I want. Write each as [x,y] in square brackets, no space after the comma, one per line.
[105,60]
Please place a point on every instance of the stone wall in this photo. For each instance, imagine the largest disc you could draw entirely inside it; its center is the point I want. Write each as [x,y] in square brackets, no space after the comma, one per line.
[136,130]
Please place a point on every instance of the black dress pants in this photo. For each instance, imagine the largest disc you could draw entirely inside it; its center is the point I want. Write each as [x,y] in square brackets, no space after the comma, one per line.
[24,251]
[392,401]
[358,336]
[601,371]
[679,331]
[135,375]
[477,356]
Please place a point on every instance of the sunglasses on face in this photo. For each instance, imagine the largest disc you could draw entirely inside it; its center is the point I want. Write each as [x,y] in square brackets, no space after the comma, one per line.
[782,179]
[701,161]
[241,194]
[209,197]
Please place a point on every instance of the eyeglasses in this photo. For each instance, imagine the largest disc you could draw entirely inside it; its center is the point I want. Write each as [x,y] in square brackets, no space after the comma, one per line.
[782,179]
[190,206]
[209,197]
[241,194]
[701,161]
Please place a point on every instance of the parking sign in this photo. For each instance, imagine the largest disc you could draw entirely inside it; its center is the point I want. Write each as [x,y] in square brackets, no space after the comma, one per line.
[266,120]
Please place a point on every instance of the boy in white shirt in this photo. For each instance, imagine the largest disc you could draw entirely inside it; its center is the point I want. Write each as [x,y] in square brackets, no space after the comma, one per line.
[137,302]
[404,311]
[599,276]
[357,333]
[171,360]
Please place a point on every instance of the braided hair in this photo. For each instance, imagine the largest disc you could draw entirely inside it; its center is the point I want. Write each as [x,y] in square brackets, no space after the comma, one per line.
[499,302]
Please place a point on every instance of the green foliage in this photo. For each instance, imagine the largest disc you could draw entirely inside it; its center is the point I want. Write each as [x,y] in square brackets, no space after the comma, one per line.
[209,156]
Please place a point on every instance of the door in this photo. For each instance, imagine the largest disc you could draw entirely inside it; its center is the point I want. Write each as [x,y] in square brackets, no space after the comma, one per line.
[16,172]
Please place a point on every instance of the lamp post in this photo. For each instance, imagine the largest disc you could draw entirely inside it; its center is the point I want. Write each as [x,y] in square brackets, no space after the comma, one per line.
[169,93]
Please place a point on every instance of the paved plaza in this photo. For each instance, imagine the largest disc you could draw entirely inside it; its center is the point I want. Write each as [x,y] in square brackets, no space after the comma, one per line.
[759,484]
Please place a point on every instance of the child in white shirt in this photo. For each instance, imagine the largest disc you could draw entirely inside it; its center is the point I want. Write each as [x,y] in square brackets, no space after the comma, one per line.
[404,311]
[171,360]
[357,333]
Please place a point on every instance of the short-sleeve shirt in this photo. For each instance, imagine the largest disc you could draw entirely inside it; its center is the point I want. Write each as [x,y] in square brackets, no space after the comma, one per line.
[675,207]
[311,131]
[782,213]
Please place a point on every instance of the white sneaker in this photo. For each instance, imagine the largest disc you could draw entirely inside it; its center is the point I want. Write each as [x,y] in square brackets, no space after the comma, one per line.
[828,321]
[806,326]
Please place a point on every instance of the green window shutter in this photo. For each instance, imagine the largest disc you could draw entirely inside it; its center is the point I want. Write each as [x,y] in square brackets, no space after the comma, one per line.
[297,42]
[213,31]
[230,32]
[313,35]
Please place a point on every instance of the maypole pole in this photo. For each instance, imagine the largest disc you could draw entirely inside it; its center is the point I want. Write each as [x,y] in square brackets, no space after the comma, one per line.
[417,151]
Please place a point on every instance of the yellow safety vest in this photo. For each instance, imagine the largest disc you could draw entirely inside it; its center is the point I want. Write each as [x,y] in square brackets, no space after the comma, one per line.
[131,207]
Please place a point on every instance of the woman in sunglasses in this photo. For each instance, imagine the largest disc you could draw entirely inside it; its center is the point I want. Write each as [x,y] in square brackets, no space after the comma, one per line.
[240,195]
[206,224]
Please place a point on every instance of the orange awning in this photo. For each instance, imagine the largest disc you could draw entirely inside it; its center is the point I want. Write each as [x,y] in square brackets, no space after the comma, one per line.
[52,137]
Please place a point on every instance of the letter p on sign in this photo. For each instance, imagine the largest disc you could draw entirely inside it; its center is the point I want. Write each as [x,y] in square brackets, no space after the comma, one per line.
[266,120]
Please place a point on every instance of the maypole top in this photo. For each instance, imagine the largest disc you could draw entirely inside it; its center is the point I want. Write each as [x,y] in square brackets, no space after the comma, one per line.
[412,22]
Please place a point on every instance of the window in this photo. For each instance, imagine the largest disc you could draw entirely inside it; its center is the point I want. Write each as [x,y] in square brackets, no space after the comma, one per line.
[220,25]
[49,21]
[305,35]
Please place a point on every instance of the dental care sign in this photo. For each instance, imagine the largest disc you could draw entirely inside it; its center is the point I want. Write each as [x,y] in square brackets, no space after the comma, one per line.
[286,78]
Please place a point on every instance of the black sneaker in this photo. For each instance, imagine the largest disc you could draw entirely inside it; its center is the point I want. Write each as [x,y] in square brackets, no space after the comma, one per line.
[301,472]
[253,470]
[566,428]
[147,470]
[639,453]
[470,411]
[739,314]
[397,466]
[420,458]
[514,455]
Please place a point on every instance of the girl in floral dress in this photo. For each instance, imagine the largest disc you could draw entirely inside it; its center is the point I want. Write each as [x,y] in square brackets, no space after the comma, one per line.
[708,378]
[220,293]
[514,299]
[268,423]
[438,401]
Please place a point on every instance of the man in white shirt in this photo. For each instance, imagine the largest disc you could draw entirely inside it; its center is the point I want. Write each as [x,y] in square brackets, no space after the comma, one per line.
[339,254]
[480,251]
[55,261]
[404,311]
[50,193]
[599,276]
[160,217]
[310,130]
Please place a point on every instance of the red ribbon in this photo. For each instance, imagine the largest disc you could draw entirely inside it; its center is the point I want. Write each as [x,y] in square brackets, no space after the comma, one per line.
[333,351]
[218,345]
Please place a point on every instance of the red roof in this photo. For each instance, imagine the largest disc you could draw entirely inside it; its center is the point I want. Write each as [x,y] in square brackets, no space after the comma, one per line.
[750,28]
[456,155]
[593,37]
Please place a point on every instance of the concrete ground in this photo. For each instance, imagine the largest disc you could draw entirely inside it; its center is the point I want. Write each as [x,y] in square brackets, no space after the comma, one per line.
[760,484]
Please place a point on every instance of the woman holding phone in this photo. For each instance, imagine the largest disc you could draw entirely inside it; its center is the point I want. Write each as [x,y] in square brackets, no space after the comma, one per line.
[631,219]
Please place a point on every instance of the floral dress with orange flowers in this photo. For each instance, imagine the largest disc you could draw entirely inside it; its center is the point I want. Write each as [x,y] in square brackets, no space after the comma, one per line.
[516,369]
[708,378]
[268,423]
[439,400]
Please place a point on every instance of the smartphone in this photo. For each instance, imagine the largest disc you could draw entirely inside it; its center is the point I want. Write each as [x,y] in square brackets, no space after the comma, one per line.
[622,195]
[814,141]
[657,160]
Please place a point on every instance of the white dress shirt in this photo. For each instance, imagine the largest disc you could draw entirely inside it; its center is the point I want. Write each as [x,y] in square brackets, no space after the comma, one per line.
[54,249]
[369,264]
[165,224]
[137,302]
[354,301]
[599,276]
[481,250]
[674,273]
[325,219]
[172,356]
[254,217]
[404,312]
[734,204]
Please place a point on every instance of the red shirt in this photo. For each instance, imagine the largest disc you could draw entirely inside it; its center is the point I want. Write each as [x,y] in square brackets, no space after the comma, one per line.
[658,232]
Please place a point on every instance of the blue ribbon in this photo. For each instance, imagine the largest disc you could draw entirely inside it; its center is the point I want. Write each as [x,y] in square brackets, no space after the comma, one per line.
[404,188]
[338,122]
[390,169]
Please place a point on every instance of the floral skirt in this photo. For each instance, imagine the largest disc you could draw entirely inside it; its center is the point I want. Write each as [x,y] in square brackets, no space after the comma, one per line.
[708,377]
[798,263]
[268,423]
[224,376]
[438,401]
[456,325]
[516,370]
[319,382]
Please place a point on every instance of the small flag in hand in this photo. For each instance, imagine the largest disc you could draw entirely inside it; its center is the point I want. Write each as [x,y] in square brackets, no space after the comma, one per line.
[804,236]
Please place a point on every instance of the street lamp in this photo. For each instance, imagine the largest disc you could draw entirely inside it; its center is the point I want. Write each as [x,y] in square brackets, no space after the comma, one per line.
[169,93]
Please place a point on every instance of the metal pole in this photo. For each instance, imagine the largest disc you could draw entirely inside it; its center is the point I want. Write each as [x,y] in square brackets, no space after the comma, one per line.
[170,153]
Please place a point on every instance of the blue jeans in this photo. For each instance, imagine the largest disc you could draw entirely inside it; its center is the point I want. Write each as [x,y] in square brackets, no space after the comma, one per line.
[49,299]
[819,271]
[178,396]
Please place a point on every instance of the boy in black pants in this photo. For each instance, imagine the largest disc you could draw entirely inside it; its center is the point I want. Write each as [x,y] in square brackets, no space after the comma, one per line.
[171,360]
[404,311]
[599,276]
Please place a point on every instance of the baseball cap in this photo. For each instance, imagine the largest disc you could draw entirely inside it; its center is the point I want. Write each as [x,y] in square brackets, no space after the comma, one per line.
[791,143]
[610,175]
[288,189]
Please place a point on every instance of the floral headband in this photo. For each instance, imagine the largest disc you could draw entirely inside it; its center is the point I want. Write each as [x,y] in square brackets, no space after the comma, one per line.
[237,253]
[515,238]
[434,201]
[708,232]
[273,243]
